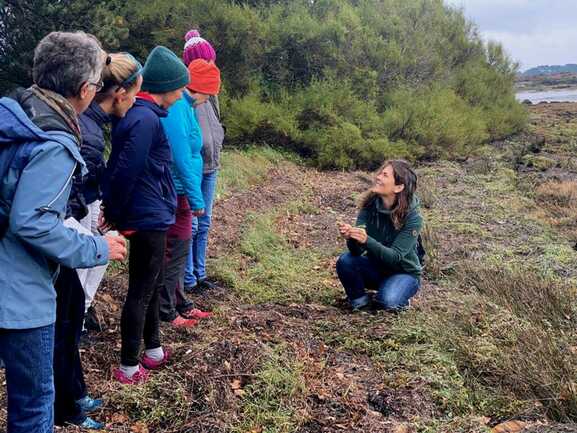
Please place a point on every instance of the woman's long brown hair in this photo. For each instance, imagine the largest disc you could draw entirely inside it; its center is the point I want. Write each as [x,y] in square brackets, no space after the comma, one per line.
[404,175]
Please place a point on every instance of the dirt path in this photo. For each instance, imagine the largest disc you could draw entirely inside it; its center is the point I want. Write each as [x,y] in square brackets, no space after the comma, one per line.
[211,357]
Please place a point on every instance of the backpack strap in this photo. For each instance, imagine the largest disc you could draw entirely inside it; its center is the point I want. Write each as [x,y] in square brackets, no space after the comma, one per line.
[215,106]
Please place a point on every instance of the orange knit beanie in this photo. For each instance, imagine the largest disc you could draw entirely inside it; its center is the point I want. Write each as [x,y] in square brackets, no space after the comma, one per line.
[204,77]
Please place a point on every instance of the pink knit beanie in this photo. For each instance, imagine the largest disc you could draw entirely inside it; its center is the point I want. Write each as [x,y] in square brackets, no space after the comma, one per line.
[197,48]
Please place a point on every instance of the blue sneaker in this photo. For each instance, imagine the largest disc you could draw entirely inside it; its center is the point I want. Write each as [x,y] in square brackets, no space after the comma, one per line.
[89,404]
[90,424]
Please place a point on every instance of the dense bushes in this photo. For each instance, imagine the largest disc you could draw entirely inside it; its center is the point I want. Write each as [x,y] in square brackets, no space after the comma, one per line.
[345,83]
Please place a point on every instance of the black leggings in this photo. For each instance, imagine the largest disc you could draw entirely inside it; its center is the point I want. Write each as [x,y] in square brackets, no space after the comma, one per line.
[140,312]
[69,383]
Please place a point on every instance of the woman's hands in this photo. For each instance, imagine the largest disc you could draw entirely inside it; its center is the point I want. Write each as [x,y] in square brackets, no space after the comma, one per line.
[344,230]
[116,247]
[358,234]
[197,212]
[103,225]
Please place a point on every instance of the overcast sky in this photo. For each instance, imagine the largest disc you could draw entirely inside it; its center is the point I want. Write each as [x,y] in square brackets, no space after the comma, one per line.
[534,32]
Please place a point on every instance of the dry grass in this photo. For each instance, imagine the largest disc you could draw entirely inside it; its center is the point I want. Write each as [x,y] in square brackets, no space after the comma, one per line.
[512,331]
[559,195]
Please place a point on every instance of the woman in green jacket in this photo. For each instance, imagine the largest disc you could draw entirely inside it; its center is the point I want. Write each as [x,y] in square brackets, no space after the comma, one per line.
[383,243]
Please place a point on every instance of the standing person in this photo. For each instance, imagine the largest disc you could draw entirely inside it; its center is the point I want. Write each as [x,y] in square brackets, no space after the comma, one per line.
[140,200]
[185,139]
[39,154]
[383,245]
[208,116]
[121,80]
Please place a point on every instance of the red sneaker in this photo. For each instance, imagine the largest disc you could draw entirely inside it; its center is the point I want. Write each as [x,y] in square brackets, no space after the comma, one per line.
[195,313]
[184,322]
[137,378]
[151,364]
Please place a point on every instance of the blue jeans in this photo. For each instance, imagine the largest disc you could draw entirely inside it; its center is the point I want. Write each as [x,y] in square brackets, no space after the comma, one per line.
[27,354]
[196,262]
[358,273]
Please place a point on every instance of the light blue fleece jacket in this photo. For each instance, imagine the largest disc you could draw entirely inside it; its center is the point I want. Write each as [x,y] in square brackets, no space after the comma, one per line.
[36,241]
[185,138]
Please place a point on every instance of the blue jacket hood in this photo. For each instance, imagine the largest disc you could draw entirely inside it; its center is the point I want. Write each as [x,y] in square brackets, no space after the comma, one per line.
[17,127]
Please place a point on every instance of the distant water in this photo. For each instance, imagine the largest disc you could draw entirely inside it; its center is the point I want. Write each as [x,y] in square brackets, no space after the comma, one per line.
[563,95]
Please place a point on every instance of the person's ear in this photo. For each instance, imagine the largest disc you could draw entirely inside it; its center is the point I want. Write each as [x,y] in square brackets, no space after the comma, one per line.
[84,91]
[120,95]
[399,188]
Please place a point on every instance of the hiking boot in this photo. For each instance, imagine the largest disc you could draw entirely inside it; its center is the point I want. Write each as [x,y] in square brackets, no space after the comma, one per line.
[90,424]
[137,378]
[195,313]
[91,321]
[151,364]
[89,404]
[184,322]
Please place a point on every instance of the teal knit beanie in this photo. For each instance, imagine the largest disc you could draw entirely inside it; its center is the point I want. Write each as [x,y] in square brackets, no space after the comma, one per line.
[163,72]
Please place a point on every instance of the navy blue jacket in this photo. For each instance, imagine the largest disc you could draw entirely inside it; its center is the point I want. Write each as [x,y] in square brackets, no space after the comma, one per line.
[138,191]
[92,122]
[86,189]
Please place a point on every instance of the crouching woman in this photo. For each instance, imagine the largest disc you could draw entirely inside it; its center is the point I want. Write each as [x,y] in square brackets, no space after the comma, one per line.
[383,243]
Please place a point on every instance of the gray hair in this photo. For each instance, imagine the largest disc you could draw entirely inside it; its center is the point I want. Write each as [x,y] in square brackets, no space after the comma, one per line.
[64,61]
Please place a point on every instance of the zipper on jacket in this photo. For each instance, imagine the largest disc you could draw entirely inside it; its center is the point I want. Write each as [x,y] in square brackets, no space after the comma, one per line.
[48,207]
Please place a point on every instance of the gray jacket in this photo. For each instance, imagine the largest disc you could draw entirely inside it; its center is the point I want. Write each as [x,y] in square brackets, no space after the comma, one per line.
[212,134]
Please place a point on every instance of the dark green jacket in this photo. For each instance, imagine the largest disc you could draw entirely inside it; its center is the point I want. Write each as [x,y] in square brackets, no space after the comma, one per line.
[395,249]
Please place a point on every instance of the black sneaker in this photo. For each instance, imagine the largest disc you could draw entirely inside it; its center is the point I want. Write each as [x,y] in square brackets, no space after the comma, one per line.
[86,340]
[363,308]
[92,321]
[206,284]
[192,290]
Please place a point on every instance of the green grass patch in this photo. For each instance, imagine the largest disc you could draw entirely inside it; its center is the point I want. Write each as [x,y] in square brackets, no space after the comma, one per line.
[158,406]
[241,169]
[269,401]
[405,352]
[267,268]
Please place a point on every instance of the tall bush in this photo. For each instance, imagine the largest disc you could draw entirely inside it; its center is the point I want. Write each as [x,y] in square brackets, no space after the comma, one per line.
[356,79]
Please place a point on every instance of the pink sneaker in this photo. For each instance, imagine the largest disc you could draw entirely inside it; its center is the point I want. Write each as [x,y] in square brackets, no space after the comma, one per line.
[151,364]
[137,378]
[195,313]
[184,322]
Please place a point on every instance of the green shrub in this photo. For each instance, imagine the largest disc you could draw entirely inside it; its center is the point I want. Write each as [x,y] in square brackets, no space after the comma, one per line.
[249,119]
[436,119]
[406,76]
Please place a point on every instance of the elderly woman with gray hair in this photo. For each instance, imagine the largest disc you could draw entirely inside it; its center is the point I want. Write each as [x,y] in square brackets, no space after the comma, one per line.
[39,155]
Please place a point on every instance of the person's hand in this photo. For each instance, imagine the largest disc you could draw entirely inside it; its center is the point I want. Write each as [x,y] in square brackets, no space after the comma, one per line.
[359,235]
[103,225]
[198,212]
[116,247]
[344,230]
